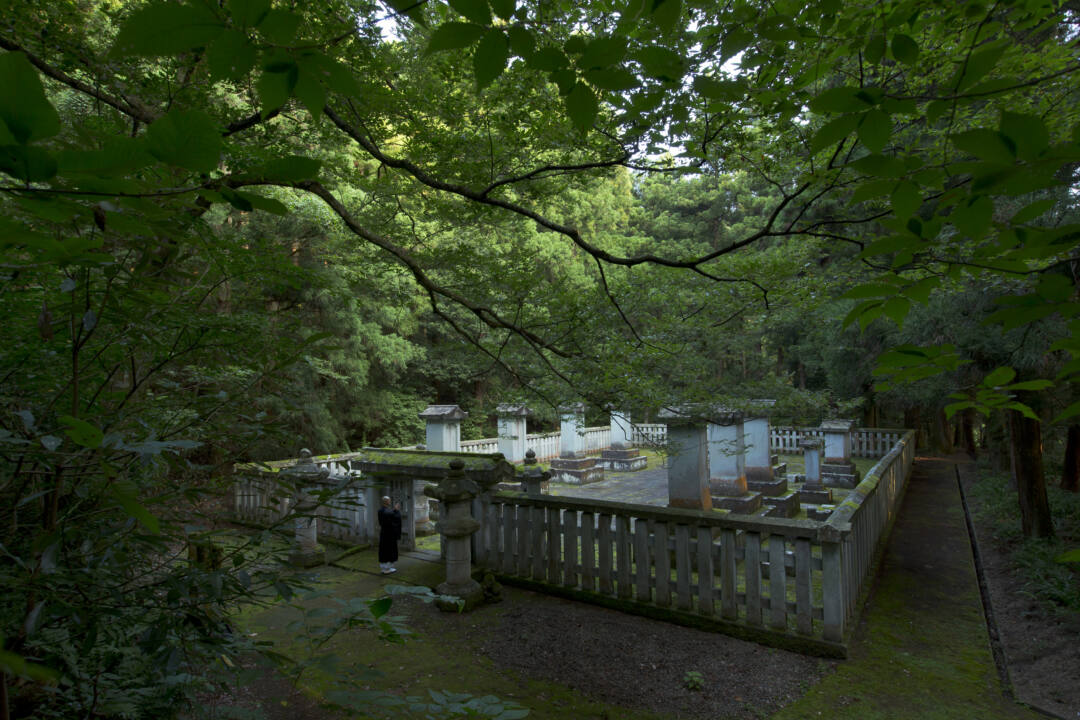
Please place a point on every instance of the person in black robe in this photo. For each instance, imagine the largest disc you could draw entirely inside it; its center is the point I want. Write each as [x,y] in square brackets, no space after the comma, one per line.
[389,534]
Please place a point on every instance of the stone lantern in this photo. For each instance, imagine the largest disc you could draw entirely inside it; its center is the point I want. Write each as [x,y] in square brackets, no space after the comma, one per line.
[456,524]
[304,476]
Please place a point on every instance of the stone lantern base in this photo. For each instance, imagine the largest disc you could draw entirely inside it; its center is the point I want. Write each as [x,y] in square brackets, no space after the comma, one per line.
[471,593]
[308,558]
[626,459]
[576,471]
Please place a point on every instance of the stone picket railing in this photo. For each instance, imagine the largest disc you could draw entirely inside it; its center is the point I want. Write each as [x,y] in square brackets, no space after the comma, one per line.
[261,498]
[649,434]
[790,582]
[865,442]
[546,445]
[485,446]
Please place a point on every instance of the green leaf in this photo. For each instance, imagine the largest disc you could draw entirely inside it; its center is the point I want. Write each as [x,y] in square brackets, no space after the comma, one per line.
[920,291]
[82,432]
[833,132]
[237,200]
[1055,288]
[1030,385]
[896,308]
[125,494]
[879,165]
[185,138]
[978,65]
[603,52]
[293,168]
[1069,412]
[988,145]
[310,92]
[490,58]
[661,63]
[1000,376]
[953,408]
[248,13]
[231,56]
[666,13]
[24,108]
[522,42]
[280,26]
[548,59]
[612,79]
[381,606]
[875,49]
[259,202]
[904,49]
[476,11]
[27,163]
[582,107]
[275,88]
[1069,556]
[863,307]
[840,99]
[719,89]
[973,217]
[906,199]
[167,29]
[1027,133]
[869,189]
[504,8]
[453,35]
[565,78]
[935,109]
[1033,211]
[875,129]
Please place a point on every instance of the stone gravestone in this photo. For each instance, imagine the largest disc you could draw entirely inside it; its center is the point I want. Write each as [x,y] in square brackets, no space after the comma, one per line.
[622,456]
[813,489]
[456,524]
[442,434]
[688,460]
[304,476]
[838,469]
[573,466]
[512,430]
[763,473]
[727,464]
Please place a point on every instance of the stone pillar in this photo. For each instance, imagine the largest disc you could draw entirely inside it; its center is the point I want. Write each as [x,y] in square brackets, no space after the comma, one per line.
[571,427]
[761,475]
[838,469]
[533,479]
[306,551]
[456,524]
[572,466]
[812,490]
[512,431]
[688,460]
[443,427]
[727,464]
[622,456]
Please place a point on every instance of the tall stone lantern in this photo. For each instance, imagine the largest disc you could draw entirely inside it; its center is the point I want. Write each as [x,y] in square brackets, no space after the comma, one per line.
[456,524]
[303,477]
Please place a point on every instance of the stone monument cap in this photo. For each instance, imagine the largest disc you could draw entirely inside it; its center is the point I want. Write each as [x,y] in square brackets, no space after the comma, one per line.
[443,412]
[575,407]
[838,424]
[518,409]
[811,443]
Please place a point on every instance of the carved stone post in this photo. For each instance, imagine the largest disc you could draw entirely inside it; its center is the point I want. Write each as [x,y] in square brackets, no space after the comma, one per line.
[512,430]
[688,463]
[456,524]
[442,434]
[622,456]
[306,551]
[839,468]
[813,491]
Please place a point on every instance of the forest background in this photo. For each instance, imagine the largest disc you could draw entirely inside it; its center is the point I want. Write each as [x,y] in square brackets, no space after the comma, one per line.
[232,230]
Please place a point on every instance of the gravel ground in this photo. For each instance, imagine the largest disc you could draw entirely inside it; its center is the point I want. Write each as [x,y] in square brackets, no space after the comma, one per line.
[637,662]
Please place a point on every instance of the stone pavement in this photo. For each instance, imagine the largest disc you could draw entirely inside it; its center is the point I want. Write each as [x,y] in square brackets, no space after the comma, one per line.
[644,487]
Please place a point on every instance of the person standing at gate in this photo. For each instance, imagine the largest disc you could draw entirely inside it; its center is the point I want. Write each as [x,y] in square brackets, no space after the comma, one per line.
[389,534]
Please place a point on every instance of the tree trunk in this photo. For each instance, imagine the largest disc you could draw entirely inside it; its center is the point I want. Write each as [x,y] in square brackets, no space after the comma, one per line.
[967,430]
[1025,437]
[1070,476]
[942,433]
[800,375]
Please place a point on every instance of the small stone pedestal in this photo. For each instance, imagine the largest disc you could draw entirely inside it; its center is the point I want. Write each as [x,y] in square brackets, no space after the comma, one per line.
[456,524]
[819,512]
[838,468]
[306,552]
[786,505]
[813,490]
[512,430]
[762,475]
[533,479]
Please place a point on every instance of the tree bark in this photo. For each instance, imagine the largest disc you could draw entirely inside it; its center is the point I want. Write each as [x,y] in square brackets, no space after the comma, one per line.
[967,430]
[1070,475]
[942,433]
[1025,437]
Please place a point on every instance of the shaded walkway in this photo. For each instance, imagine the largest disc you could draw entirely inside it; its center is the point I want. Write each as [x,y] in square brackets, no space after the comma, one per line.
[921,649]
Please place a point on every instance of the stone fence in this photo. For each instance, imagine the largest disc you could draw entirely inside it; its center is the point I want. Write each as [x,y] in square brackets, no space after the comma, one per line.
[788,582]
[546,445]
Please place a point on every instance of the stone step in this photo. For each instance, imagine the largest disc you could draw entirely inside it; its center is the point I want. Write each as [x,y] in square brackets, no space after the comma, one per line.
[743,505]
[786,505]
